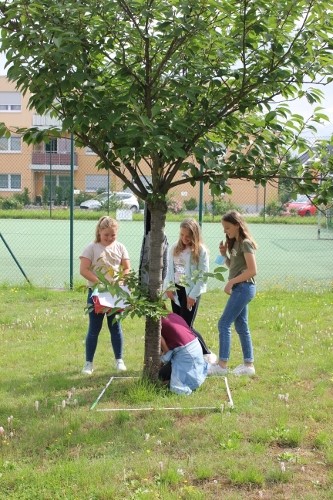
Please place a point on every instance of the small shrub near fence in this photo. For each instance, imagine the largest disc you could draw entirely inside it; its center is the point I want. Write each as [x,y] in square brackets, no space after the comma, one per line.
[191,204]
[220,206]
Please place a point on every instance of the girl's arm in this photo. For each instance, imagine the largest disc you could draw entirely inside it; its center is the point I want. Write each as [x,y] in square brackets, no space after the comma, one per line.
[85,270]
[170,276]
[126,265]
[164,347]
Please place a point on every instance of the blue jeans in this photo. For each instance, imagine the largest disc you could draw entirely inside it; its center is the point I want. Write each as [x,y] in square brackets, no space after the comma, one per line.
[236,311]
[95,326]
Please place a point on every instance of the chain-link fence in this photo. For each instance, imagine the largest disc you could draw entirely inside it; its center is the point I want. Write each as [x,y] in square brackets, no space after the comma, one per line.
[43,178]
[45,249]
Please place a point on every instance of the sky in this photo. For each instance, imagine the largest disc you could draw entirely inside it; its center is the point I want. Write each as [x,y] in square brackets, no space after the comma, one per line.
[299,106]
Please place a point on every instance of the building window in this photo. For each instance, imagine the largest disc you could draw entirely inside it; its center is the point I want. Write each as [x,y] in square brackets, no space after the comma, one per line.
[61,146]
[10,182]
[10,102]
[55,180]
[52,146]
[97,182]
[10,145]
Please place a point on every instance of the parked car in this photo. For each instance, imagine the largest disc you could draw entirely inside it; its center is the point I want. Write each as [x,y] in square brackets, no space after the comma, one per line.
[120,199]
[301,206]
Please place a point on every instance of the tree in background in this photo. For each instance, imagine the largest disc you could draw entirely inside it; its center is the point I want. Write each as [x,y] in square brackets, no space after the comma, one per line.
[198,86]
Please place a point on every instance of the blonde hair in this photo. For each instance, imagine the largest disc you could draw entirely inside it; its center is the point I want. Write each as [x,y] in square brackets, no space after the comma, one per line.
[196,239]
[236,219]
[104,222]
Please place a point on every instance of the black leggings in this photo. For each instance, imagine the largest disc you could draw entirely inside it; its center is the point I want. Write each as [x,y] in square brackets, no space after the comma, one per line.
[189,316]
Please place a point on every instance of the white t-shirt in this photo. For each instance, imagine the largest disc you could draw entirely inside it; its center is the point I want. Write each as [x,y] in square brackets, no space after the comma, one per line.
[181,263]
[102,258]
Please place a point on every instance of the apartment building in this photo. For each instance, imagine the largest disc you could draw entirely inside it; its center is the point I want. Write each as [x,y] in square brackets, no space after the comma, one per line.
[46,167]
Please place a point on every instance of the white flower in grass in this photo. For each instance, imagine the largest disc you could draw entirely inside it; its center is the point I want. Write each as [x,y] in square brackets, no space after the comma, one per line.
[36,405]
[283,467]
[63,403]
[147,436]
[2,431]
[180,472]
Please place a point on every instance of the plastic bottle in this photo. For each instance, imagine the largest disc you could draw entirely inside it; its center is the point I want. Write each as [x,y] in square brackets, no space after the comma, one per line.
[220,260]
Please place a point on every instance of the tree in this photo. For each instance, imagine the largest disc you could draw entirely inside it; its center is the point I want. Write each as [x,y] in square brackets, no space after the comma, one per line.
[167,86]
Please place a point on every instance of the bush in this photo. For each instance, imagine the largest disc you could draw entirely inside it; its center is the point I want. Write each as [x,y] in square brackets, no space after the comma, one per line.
[46,195]
[191,204]
[58,195]
[273,208]
[175,207]
[220,206]
[10,203]
[23,198]
[112,205]
[79,198]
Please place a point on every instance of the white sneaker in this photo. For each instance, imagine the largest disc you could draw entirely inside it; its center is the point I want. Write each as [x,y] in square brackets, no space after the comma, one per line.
[88,368]
[217,370]
[210,358]
[120,365]
[244,370]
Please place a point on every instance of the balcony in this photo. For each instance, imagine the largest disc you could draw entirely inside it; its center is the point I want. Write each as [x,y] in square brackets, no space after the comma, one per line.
[45,121]
[57,161]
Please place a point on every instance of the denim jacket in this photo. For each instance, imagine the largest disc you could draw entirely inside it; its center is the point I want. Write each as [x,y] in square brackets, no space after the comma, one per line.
[193,290]
[188,367]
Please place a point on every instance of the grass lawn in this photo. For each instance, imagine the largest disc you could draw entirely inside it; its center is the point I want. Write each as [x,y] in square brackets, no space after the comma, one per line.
[276,443]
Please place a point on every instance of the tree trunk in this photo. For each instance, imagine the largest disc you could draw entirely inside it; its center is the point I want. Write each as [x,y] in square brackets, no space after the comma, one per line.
[153,326]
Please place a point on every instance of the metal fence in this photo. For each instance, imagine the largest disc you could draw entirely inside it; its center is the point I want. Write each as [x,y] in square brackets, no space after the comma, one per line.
[46,250]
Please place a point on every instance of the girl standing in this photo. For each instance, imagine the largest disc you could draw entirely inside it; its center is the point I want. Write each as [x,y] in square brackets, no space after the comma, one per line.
[105,253]
[187,256]
[239,252]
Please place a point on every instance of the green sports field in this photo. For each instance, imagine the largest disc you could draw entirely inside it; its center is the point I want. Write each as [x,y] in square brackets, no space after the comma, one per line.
[288,255]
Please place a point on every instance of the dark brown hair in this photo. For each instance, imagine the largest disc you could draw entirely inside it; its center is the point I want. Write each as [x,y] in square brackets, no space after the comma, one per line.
[236,219]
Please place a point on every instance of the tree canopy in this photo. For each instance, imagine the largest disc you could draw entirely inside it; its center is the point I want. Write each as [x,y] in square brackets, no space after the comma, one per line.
[163,86]
[173,84]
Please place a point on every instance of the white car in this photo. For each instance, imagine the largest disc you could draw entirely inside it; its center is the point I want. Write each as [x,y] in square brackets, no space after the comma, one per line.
[121,199]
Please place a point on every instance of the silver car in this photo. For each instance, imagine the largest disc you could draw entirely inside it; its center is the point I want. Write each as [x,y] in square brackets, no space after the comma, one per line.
[120,199]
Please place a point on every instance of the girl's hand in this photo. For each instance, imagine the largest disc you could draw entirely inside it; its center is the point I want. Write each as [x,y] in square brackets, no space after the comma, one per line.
[170,295]
[228,288]
[223,248]
[190,303]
